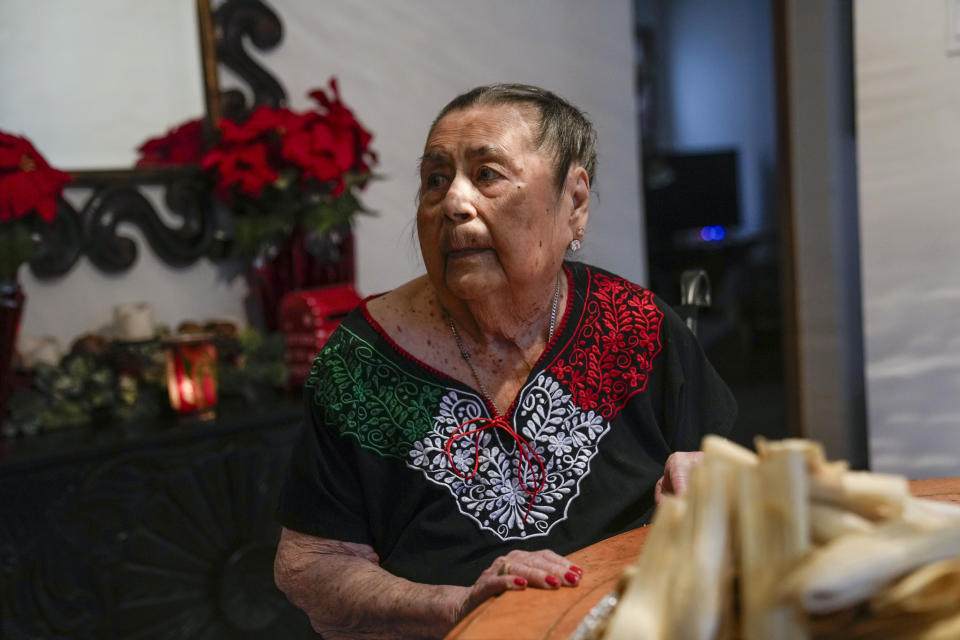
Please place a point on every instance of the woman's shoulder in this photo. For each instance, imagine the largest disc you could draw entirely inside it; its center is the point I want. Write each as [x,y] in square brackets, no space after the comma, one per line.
[610,289]
[592,279]
[396,309]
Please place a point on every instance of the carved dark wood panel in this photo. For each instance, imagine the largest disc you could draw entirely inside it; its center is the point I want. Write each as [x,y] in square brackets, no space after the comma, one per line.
[165,541]
[239,22]
[179,246]
[60,243]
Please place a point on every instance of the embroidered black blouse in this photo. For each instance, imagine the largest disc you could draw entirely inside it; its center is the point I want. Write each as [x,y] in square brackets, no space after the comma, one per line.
[387,456]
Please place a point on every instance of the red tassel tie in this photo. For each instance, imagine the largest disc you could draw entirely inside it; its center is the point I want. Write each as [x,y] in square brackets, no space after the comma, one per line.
[522,445]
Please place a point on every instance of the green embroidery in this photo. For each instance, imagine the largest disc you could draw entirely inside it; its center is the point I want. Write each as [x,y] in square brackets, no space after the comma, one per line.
[364,395]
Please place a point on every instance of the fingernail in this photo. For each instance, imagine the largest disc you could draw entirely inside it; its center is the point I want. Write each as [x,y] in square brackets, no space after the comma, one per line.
[577,570]
[571,577]
[520,582]
[553,582]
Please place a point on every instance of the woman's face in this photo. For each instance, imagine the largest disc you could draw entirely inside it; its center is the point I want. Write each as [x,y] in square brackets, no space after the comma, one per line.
[490,220]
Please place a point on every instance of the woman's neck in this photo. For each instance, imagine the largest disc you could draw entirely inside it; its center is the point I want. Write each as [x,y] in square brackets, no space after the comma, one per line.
[518,319]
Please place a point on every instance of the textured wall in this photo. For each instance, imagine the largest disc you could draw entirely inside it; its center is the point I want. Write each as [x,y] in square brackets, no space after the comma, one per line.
[908,117]
[398,63]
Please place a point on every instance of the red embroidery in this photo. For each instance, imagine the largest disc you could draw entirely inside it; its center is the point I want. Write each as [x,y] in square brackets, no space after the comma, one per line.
[611,355]
[523,446]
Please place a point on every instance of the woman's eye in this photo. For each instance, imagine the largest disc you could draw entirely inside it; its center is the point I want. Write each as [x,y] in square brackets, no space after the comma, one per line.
[435,180]
[486,174]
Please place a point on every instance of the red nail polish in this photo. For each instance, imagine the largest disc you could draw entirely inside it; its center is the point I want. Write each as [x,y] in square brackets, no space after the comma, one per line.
[553,582]
[577,570]
[571,577]
[520,582]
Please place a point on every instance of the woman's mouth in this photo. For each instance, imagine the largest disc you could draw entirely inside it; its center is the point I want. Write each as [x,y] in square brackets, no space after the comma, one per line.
[466,253]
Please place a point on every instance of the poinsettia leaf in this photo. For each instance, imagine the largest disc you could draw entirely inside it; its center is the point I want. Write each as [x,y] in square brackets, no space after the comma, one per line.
[16,247]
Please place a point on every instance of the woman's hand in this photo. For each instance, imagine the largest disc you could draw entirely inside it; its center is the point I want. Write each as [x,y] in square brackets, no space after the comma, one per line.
[519,569]
[676,472]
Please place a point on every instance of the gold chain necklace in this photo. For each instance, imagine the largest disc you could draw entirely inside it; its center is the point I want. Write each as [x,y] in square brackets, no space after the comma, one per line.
[466,354]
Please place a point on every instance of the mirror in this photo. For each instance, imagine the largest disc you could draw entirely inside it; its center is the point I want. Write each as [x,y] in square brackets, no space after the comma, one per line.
[96,80]
[93,82]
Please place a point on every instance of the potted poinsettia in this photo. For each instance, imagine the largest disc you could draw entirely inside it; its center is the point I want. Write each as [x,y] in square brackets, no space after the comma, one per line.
[29,188]
[292,180]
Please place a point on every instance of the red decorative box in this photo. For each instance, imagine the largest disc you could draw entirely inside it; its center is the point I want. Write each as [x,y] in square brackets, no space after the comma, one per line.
[307,318]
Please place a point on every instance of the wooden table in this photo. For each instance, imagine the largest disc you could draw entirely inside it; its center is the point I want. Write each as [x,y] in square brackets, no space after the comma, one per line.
[537,614]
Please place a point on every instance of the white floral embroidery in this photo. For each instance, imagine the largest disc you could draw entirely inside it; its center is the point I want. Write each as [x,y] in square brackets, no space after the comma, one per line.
[564,436]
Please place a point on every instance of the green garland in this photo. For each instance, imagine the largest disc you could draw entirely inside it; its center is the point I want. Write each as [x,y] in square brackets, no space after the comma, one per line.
[128,384]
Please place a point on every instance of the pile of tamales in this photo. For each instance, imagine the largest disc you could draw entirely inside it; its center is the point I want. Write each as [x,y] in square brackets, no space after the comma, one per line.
[782,544]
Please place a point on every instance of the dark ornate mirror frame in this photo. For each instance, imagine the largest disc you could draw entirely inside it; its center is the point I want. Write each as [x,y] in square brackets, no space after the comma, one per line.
[116,196]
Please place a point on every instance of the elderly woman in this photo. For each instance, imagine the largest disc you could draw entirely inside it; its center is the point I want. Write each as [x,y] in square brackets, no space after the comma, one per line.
[473,425]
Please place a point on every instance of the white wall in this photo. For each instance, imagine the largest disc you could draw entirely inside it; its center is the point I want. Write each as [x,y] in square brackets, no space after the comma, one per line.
[908,114]
[398,63]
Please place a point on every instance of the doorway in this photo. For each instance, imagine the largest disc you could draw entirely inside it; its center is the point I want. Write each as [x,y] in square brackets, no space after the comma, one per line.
[707,115]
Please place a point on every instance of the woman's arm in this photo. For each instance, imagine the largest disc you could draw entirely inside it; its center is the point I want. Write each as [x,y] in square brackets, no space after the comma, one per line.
[346,594]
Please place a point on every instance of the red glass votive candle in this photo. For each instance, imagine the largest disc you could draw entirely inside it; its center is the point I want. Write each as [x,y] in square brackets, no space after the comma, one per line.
[192,374]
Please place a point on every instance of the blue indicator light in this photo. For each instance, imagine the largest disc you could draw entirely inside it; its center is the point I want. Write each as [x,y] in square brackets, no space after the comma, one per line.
[714,233]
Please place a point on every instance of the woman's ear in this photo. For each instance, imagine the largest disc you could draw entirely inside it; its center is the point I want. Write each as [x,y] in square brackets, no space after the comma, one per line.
[578,184]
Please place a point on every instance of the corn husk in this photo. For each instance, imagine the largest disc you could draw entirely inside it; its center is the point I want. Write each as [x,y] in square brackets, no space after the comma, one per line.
[731,452]
[929,589]
[872,495]
[775,532]
[644,597]
[702,584]
[828,522]
[930,514]
[853,567]
[812,451]
[812,549]
[859,624]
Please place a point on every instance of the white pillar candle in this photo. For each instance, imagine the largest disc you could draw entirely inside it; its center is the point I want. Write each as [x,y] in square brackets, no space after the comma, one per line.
[133,322]
[35,350]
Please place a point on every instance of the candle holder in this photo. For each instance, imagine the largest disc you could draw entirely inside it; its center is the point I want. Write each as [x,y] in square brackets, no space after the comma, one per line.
[192,375]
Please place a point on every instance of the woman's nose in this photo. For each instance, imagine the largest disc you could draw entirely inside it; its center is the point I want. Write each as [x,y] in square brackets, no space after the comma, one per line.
[458,203]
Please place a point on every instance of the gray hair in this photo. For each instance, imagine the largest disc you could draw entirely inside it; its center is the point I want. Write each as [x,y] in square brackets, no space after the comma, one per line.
[565,130]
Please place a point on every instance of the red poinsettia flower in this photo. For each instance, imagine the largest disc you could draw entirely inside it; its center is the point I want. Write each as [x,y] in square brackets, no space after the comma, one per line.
[262,121]
[312,155]
[341,119]
[322,152]
[27,182]
[181,145]
[244,165]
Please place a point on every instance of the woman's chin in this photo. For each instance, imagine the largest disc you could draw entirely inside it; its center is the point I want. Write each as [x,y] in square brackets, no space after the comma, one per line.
[469,285]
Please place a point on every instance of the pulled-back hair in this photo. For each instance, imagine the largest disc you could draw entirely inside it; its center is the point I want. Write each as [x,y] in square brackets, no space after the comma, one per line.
[566,131]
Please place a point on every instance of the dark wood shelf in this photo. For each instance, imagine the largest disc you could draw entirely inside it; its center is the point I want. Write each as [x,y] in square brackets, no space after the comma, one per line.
[76,444]
[159,529]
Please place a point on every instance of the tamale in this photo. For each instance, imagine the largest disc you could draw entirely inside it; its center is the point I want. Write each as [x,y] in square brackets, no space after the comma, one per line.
[853,567]
[644,599]
[828,522]
[774,531]
[929,588]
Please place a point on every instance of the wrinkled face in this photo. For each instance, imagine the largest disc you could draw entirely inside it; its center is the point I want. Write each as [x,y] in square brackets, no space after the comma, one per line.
[490,219]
